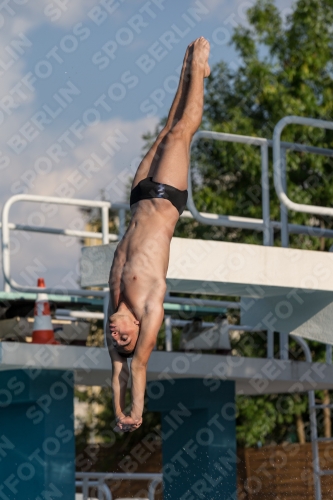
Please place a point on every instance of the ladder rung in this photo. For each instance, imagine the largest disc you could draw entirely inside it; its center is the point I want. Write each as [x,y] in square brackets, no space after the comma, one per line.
[326,472]
[321,407]
[322,440]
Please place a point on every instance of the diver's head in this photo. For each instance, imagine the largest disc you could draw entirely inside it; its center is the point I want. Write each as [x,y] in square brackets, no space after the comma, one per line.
[124,329]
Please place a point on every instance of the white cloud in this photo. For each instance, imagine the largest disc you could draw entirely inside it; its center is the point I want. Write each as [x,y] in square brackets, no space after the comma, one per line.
[60,255]
[60,12]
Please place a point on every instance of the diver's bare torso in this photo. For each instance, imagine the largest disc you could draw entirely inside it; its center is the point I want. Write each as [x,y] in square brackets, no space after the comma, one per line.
[141,260]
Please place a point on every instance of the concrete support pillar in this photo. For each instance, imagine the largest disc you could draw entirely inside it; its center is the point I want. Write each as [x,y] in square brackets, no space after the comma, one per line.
[37,449]
[199,437]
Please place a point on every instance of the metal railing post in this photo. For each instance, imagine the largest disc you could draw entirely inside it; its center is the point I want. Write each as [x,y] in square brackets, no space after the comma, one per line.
[284,345]
[267,240]
[105,233]
[122,222]
[152,488]
[85,487]
[270,344]
[6,246]
[313,423]
[283,208]
[314,445]
[168,333]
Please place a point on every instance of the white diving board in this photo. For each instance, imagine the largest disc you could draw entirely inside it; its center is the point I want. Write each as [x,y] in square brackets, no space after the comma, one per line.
[222,268]
[283,289]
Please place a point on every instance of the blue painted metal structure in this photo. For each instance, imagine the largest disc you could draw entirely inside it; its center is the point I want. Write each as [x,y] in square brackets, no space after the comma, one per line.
[37,448]
[199,437]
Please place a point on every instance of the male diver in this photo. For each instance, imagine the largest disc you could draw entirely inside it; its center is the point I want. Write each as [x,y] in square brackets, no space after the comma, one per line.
[139,268]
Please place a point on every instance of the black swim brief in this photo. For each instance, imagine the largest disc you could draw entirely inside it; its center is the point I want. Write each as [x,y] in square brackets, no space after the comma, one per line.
[148,189]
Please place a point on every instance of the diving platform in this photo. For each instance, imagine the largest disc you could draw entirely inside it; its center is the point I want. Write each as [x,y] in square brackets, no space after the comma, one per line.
[281,289]
[223,268]
[92,366]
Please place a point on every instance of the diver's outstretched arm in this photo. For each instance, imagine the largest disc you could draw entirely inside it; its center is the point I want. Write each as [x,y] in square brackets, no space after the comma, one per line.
[119,380]
[149,328]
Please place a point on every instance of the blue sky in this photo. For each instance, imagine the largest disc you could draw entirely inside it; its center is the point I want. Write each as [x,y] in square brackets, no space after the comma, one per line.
[76,74]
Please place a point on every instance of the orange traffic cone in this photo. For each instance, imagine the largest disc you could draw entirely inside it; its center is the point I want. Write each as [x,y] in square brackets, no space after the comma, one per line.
[42,330]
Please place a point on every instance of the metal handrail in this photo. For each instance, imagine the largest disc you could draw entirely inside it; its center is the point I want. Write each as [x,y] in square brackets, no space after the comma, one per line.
[234,221]
[279,167]
[87,478]
[101,488]
[265,224]
[103,205]
[57,231]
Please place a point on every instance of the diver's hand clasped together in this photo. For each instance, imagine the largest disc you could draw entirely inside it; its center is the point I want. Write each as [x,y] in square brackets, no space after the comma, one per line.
[139,268]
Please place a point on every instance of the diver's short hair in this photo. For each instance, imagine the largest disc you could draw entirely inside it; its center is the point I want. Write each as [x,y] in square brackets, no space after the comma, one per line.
[125,354]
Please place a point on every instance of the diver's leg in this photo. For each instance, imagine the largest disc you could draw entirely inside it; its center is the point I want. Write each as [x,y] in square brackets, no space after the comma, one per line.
[150,161]
[172,152]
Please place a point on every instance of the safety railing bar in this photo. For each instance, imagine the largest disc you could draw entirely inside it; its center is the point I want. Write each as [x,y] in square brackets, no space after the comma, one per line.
[244,328]
[210,324]
[66,313]
[231,218]
[278,164]
[304,148]
[322,407]
[202,302]
[326,472]
[324,439]
[259,141]
[293,228]
[68,291]
[57,231]
[308,230]
[54,200]
[225,220]
[223,136]
[184,322]
[144,476]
